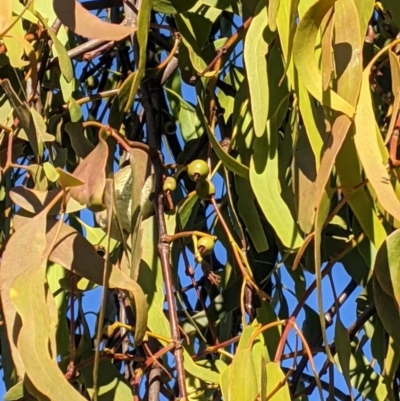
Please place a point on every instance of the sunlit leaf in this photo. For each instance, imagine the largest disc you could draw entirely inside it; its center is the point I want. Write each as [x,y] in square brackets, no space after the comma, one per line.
[366,141]
[242,386]
[303,54]
[72,14]
[277,388]
[255,50]
[263,170]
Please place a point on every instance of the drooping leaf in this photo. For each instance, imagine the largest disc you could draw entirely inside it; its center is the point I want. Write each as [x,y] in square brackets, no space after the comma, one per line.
[255,50]
[366,141]
[143,23]
[91,171]
[387,266]
[61,52]
[264,182]
[81,145]
[28,241]
[85,262]
[229,162]
[248,212]
[22,112]
[275,380]
[343,349]
[242,378]
[303,56]
[29,297]
[79,20]
[387,310]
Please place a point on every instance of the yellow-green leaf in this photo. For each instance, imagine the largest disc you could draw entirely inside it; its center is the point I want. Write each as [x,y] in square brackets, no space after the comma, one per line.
[277,388]
[368,150]
[304,58]
[265,183]
[242,379]
[255,50]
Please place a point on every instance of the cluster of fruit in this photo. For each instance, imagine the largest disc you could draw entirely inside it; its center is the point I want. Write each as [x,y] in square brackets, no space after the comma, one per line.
[198,172]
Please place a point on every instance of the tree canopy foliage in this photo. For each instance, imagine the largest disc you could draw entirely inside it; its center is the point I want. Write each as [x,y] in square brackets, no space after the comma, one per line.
[202,164]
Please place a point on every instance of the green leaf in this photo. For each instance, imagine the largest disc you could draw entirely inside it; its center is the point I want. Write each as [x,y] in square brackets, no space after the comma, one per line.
[276,380]
[23,113]
[112,386]
[151,280]
[189,122]
[229,162]
[248,212]
[343,349]
[392,6]
[387,266]
[242,379]
[172,6]
[349,172]
[195,26]
[364,378]
[387,310]
[265,184]
[255,50]
[368,149]
[28,294]
[85,262]
[304,56]
[60,52]
[81,145]
[304,181]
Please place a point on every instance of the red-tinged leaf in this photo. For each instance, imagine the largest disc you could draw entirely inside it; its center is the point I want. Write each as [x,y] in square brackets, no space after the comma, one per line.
[81,145]
[80,21]
[304,56]
[92,171]
[368,149]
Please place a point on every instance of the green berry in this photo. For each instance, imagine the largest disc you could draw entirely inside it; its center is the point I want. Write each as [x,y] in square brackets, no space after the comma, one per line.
[205,189]
[198,170]
[169,184]
[205,245]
